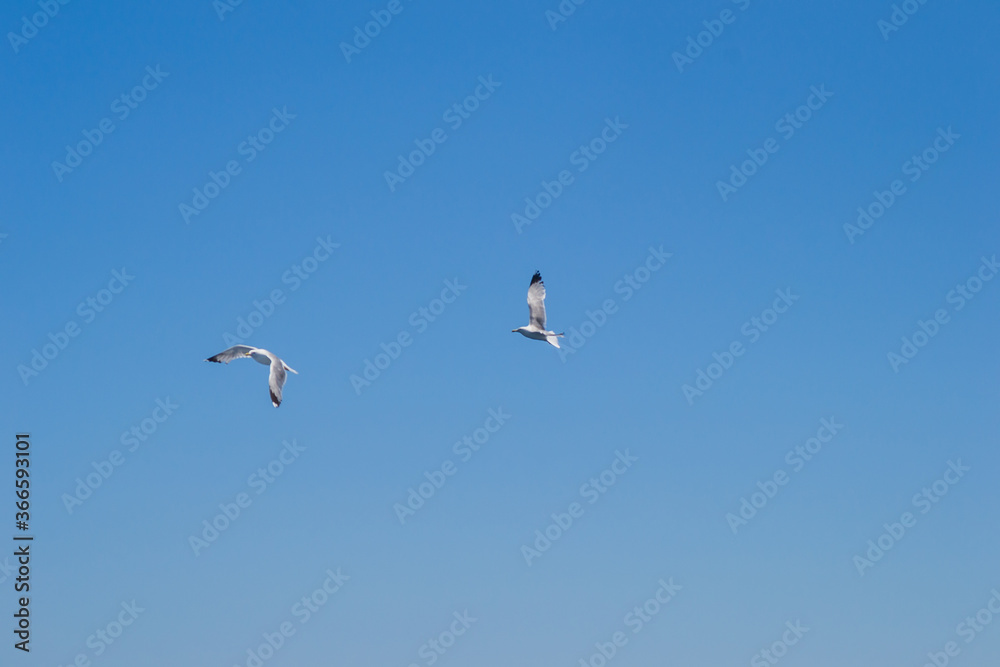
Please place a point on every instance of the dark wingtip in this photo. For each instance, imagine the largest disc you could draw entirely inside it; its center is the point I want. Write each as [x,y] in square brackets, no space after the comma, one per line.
[537,278]
[274,400]
[214,359]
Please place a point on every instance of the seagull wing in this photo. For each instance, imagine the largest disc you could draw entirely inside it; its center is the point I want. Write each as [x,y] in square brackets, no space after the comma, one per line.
[536,302]
[235,352]
[276,379]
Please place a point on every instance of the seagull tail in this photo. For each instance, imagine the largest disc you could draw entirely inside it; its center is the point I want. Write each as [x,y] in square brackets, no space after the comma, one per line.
[289,368]
[553,340]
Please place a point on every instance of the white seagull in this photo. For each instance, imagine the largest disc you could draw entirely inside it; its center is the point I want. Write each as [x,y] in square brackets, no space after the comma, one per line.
[275,381]
[536,314]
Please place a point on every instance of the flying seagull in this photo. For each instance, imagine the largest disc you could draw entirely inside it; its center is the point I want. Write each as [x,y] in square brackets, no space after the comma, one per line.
[275,381]
[536,313]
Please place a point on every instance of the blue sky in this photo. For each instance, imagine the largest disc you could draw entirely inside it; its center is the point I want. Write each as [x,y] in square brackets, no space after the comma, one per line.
[299,234]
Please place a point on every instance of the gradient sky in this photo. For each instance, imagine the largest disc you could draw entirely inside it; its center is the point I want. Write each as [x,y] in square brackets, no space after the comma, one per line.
[555,86]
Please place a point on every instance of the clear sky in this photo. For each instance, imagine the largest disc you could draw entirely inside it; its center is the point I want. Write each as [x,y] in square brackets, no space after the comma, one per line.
[757,379]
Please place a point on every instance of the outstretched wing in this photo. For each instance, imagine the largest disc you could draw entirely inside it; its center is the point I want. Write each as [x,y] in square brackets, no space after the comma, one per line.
[235,352]
[536,302]
[276,380]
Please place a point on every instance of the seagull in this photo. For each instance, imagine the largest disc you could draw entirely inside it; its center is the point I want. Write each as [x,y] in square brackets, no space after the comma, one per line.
[536,314]
[275,381]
